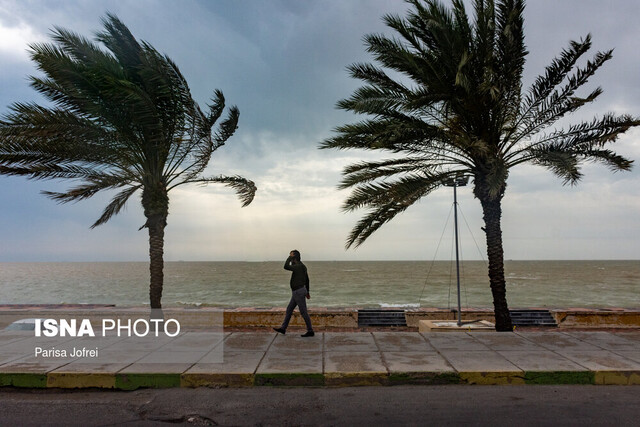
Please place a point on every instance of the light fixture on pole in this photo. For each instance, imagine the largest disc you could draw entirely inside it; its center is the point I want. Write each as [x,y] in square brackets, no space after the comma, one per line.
[458,181]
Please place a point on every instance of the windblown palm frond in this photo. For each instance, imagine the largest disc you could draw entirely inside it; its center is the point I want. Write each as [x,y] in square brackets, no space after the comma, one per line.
[459,110]
[122,118]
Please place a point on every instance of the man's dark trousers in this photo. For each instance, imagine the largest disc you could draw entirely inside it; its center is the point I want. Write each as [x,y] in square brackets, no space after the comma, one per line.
[298,298]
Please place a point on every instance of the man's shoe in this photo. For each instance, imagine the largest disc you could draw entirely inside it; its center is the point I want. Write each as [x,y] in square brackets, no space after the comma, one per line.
[282,331]
[308,334]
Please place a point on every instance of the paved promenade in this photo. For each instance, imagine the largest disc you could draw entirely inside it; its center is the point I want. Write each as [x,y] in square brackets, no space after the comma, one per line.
[237,359]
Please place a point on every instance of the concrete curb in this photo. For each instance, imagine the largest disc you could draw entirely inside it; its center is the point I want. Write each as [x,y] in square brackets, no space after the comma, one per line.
[290,380]
[617,378]
[81,380]
[216,380]
[136,381]
[492,378]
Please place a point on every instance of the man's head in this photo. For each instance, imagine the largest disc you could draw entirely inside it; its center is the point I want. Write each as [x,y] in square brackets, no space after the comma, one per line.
[295,254]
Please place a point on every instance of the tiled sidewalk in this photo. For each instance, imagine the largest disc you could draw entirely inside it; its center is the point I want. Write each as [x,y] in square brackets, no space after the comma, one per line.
[196,359]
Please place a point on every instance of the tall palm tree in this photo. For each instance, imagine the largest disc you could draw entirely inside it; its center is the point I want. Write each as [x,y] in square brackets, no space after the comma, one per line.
[455,108]
[121,119]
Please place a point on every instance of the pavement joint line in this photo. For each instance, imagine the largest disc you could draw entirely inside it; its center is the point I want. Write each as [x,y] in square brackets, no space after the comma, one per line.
[273,339]
[617,353]
[560,355]
[426,340]
[525,338]
[438,352]
[124,367]
[582,340]
[136,360]
[382,356]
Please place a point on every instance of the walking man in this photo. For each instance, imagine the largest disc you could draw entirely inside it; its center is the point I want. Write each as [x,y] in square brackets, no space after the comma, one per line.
[299,292]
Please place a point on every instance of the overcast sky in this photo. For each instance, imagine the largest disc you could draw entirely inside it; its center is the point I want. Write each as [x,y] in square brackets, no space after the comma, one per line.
[282,62]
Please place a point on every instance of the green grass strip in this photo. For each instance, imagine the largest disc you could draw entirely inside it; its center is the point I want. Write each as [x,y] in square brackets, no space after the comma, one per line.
[299,379]
[430,378]
[559,377]
[23,380]
[135,381]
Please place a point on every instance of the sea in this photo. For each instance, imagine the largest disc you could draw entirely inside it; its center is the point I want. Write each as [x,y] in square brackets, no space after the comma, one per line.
[364,284]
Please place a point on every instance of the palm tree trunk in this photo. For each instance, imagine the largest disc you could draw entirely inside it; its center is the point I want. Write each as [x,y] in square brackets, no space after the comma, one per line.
[492,212]
[156,260]
[155,202]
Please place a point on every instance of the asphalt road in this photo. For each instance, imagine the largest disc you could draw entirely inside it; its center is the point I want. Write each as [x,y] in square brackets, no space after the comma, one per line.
[371,406]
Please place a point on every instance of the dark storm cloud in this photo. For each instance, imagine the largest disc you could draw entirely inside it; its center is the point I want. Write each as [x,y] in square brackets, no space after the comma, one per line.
[283,63]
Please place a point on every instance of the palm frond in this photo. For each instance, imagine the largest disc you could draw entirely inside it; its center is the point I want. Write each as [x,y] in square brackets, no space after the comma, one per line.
[363,172]
[201,145]
[122,115]
[562,150]
[563,163]
[578,138]
[560,101]
[386,200]
[615,162]
[245,189]
[374,101]
[509,60]
[554,74]
[396,135]
[227,127]
[116,205]
[215,108]
[43,170]
[393,54]
[377,77]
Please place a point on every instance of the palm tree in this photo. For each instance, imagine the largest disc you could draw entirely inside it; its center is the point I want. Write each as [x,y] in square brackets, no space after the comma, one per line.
[455,108]
[121,119]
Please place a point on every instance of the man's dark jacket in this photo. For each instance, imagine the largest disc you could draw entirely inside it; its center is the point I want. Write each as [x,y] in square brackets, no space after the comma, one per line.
[299,276]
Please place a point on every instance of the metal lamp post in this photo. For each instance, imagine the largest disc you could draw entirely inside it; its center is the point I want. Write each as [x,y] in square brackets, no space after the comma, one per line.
[458,181]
